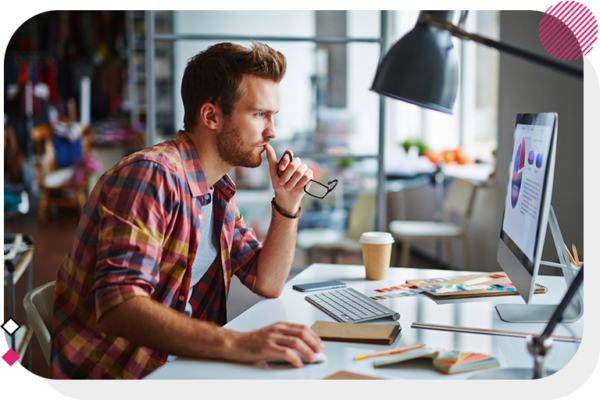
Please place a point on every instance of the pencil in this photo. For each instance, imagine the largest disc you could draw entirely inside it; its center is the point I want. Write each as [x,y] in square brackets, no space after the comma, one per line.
[575,255]
[389,352]
[570,256]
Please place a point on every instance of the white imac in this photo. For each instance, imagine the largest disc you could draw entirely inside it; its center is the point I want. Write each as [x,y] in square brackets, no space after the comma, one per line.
[527,213]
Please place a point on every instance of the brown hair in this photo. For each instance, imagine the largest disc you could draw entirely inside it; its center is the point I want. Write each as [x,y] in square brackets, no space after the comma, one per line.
[215,74]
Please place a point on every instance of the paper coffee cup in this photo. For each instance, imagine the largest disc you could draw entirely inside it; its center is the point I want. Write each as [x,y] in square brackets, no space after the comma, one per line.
[377,251]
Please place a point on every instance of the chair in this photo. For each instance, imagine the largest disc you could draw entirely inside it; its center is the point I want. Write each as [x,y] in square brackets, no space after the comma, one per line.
[54,183]
[39,306]
[361,219]
[459,200]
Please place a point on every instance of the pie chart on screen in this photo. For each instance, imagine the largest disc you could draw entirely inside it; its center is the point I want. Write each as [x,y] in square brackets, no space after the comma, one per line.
[517,174]
[530,157]
[539,160]
[521,155]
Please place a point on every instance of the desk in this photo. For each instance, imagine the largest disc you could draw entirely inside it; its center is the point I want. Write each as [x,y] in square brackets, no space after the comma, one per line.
[479,313]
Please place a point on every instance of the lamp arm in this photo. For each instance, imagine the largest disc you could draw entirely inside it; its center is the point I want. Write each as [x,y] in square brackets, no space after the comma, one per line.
[428,19]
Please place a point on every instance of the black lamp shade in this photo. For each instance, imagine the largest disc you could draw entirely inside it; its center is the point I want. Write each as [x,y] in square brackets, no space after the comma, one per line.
[421,68]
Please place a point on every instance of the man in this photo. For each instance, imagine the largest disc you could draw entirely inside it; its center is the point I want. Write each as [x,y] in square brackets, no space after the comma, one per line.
[160,237]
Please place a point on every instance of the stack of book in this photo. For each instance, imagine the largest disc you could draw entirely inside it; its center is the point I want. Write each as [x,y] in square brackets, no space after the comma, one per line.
[451,362]
[448,362]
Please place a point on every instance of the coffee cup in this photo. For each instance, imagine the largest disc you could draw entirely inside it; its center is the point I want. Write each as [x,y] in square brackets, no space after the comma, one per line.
[377,251]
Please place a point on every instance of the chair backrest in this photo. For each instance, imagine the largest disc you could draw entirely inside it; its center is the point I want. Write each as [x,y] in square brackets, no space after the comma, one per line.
[46,161]
[362,215]
[42,136]
[460,200]
[39,306]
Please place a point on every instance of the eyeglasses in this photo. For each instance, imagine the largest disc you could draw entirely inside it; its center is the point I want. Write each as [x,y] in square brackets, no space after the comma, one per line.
[318,190]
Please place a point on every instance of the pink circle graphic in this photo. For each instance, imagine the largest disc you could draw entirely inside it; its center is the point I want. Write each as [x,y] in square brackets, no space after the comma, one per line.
[568,30]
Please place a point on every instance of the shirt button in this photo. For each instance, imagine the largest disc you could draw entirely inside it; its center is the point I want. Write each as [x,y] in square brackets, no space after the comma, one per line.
[207,196]
[200,217]
[181,298]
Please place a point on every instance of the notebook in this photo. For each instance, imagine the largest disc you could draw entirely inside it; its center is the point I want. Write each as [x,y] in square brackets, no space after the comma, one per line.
[447,362]
[356,333]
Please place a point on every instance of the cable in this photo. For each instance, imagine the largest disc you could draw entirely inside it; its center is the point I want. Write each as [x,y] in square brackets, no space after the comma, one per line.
[577,343]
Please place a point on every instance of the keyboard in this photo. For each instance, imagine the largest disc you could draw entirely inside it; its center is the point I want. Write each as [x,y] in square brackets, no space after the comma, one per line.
[349,305]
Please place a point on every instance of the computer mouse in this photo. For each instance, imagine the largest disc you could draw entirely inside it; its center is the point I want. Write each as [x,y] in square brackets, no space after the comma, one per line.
[319,358]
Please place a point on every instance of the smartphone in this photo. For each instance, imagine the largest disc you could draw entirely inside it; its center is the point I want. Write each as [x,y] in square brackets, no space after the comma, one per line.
[311,287]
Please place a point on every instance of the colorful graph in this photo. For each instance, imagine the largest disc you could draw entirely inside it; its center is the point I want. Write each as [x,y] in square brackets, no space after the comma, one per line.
[531,157]
[521,155]
[517,174]
[539,160]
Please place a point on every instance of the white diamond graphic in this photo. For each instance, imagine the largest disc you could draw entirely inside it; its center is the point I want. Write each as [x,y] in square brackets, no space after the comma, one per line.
[10,326]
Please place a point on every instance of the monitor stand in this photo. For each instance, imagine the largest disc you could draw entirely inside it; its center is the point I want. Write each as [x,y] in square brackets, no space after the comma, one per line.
[542,312]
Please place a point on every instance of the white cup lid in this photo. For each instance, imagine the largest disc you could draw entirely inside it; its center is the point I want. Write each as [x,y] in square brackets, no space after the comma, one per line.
[377,238]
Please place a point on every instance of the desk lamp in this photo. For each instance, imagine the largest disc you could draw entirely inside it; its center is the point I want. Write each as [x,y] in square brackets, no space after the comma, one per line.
[422,67]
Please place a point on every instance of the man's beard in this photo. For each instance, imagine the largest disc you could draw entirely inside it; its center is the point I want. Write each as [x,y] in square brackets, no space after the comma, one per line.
[234,151]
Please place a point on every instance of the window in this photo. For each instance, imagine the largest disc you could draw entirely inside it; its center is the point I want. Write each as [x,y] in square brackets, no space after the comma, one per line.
[473,125]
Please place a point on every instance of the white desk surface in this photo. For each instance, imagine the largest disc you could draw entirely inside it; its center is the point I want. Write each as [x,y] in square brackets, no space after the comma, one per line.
[477,313]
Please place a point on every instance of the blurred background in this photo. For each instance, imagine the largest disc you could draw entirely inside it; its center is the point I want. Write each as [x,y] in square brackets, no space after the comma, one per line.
[81,91]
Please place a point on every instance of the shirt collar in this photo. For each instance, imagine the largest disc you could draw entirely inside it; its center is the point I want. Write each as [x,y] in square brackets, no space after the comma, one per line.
[194,173]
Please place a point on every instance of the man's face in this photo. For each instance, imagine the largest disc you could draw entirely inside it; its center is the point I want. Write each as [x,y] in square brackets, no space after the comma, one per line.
[250,126]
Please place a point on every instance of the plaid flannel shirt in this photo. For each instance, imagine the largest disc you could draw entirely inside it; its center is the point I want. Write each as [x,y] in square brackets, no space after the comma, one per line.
[138,236]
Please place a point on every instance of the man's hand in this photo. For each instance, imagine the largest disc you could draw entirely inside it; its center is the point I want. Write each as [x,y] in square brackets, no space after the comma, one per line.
[142,321]
[277,341]
[289,184]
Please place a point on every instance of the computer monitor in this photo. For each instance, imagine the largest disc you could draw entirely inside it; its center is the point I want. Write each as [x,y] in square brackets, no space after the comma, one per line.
[527,212]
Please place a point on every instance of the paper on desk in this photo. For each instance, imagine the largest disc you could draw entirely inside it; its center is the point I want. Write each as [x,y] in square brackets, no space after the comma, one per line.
[344,375]
[427,351]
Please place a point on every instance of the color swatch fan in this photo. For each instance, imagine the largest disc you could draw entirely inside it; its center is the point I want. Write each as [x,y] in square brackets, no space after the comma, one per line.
[577,31]
[454,361]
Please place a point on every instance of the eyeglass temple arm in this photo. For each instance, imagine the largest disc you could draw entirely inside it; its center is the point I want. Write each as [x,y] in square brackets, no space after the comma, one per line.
[289,154]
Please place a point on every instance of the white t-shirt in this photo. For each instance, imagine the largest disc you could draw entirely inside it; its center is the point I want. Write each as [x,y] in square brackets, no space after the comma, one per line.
[207,251]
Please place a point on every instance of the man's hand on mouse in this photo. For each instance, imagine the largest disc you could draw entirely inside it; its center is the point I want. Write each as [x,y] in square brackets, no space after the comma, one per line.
[278,341]
[289,184]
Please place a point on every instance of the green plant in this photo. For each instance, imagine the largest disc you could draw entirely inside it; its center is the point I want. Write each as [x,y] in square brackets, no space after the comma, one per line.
[408,143]
[344,162]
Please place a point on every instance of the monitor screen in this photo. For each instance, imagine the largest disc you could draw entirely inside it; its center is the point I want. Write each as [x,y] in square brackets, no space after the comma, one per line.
[526,189]
[527,213]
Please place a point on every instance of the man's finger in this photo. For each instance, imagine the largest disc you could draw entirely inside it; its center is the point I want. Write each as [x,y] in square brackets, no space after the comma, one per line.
[286,158]
[289,355]
[271,159]
[295,178]
[306,334]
